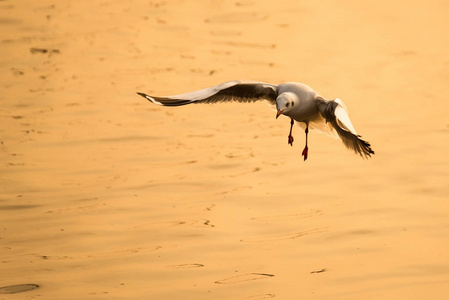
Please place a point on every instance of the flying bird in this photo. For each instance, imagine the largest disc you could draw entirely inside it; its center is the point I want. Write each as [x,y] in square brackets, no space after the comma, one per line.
[295,100]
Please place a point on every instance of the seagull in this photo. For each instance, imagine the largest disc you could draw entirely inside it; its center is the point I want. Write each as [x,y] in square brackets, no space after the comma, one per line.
[295,100]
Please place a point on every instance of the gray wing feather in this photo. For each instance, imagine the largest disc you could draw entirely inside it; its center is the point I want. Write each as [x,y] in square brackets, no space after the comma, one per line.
[230,91]
[351,140]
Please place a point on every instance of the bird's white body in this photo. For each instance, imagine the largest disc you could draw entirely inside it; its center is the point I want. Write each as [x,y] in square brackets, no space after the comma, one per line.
[304,109]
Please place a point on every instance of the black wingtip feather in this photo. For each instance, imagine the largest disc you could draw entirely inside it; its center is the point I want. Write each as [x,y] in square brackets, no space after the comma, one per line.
[165,101]
[356,144]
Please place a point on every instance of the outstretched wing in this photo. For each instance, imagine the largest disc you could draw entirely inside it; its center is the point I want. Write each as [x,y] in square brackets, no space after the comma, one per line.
[335,113]
[242,91]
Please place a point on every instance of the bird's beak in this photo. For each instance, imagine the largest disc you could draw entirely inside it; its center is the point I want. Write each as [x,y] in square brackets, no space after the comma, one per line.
[279,113]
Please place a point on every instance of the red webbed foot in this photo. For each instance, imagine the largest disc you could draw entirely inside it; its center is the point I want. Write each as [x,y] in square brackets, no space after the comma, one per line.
[305,152]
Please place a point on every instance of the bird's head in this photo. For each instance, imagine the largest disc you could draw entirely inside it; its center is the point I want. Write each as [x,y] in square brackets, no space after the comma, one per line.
[285,102]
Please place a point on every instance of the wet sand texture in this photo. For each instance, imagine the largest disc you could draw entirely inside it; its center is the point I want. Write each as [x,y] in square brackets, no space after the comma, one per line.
[106,196]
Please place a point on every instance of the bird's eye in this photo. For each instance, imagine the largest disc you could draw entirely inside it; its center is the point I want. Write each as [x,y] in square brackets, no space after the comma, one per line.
[293,103]
[287,104]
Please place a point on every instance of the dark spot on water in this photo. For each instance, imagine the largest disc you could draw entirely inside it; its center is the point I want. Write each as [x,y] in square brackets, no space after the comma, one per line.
[243,278]
[18,288]
[16,207]
[318,271]
[43,50]
[187,266]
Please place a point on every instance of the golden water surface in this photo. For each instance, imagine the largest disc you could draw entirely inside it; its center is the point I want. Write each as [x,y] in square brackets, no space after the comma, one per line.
[104,195]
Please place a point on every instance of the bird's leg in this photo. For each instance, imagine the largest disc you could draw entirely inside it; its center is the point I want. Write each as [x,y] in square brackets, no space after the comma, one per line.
[290,137]
[306,149]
